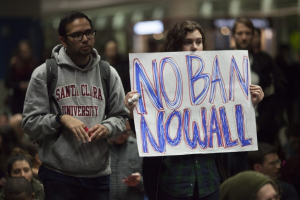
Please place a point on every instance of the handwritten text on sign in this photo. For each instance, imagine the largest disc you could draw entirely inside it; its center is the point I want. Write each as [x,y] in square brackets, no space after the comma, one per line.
[193,102]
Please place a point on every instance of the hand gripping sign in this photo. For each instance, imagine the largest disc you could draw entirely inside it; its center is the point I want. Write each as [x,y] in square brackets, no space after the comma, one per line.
[193,102]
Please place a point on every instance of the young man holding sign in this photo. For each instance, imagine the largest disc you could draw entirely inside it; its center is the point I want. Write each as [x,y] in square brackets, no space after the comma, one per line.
[195,176]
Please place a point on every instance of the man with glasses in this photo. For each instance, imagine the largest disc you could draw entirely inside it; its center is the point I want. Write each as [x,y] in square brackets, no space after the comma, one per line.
[267,161]
[76,161]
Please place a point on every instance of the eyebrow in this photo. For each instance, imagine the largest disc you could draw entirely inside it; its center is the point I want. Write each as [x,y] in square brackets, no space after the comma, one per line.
[192,38]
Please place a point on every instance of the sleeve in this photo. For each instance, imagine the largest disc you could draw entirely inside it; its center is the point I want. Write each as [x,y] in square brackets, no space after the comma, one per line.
[288,191]
[115,121]
[280,81]
[37,121]
[39,195]
[140,185]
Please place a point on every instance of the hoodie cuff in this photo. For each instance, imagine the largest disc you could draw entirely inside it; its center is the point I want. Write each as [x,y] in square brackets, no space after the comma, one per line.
[109,130]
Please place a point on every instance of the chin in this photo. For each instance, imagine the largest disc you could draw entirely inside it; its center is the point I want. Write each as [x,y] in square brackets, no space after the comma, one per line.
[85,53]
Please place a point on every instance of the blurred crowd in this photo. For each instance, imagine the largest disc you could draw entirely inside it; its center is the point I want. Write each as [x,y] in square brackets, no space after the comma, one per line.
[278,127]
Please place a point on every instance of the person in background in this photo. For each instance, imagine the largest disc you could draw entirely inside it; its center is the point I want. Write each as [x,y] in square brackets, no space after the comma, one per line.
[248,185]
[15,121]
[256,42]
[46,54]
[19,165]
[73,144]
[32,149]
[291,167]
[266,74]
[4,117]
[265,160]
[18,188]
[119,62]
[290,69]
[18,76]
[8,141]
[186,177]
[126,181]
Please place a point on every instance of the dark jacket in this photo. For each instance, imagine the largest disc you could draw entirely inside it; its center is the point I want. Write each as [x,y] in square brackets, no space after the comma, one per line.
[274,84]
[152,168]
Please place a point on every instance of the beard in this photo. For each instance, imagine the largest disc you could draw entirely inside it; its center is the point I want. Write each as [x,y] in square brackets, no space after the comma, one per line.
[85,52]
[244,45]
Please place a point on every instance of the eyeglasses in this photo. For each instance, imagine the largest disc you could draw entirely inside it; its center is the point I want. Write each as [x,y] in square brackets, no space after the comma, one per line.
[275,163]
[79,35]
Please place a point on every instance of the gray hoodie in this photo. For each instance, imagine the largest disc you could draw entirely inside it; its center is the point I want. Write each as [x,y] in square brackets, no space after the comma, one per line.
[79,93]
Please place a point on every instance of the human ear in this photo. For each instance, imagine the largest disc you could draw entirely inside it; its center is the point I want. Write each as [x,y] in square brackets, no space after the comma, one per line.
[257,167]
[63,41]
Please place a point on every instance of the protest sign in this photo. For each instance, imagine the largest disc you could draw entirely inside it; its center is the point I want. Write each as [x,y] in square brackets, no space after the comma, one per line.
[193,102]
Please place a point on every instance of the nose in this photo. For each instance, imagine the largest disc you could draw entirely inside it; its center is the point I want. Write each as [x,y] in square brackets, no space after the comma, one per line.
[84,37]
[243,36]
[194,47]
[22,173]
[278,165]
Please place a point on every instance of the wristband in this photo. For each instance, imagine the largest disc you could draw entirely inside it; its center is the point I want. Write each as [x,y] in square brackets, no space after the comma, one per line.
[58,118]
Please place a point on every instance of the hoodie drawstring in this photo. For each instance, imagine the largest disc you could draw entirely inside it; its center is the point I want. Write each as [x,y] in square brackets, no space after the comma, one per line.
[77,87]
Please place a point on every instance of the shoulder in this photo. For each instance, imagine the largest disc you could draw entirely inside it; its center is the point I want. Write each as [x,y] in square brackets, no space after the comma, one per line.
[40,72]
[36,185]
[285,185]
[104,64]
[263,55]
[113,75]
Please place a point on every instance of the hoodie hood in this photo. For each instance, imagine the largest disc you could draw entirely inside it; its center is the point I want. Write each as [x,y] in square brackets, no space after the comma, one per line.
[62,58]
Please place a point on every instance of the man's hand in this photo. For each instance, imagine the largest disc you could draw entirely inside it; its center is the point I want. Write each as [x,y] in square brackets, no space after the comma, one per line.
[2,181]
[133,179]
[98,131]
[76,127]
[24,85]
[257,94]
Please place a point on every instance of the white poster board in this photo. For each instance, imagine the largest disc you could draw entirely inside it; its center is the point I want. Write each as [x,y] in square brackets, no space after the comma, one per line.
[193,102]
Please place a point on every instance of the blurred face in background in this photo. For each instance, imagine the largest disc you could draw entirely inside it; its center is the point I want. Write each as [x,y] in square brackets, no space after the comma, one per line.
[3,120]
[271,165]
[295,143]
[111,49]
[25,51]
[193,41]
[243,37]
[21,168]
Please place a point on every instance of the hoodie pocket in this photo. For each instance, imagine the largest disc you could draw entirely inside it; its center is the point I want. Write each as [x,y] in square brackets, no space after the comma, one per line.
[68,154]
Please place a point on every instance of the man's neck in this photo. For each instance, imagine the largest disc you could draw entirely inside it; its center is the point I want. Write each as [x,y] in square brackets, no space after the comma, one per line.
[80,60]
